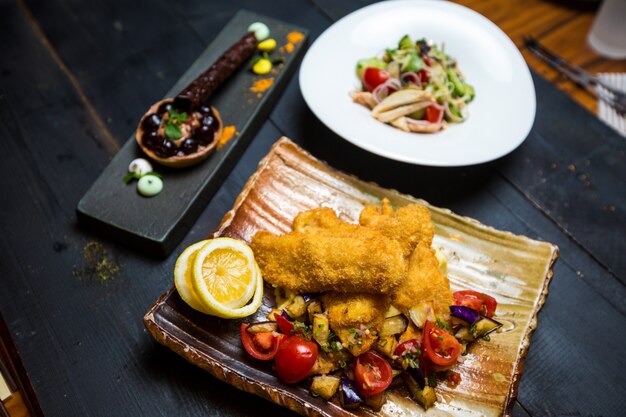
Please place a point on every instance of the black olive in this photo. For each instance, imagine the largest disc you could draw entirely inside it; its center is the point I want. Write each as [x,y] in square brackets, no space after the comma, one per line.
[166,148]
[151,122]
[189,146]
[209,121]
[205,110]
[150,139]
[204,134]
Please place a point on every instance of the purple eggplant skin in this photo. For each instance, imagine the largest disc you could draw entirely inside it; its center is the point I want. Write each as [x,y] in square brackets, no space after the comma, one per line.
[348,395]
[467,314]
[418,376]
[308,297]
[286,315]
[262,327]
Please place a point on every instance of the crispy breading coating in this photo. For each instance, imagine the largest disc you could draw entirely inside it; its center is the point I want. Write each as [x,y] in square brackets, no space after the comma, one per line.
[356,318]
[424,282]
[408,225]
[323,253]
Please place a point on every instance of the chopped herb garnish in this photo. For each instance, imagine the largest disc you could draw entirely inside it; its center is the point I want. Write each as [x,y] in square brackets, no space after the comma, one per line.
[172,131]
[473,330]
[383,343]
[487,337]
[172,126]
[342,364]
[131,176]
[442,324]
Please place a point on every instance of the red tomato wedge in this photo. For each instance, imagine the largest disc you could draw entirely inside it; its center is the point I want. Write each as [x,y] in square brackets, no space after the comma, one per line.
[423,76]
[483,303]
[373,77]
[284,325]
[261,346]
[434,114]
[294,359]
[372,373]
[441,347]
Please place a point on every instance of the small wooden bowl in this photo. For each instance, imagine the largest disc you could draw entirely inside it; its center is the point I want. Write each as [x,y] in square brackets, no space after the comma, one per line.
[179,161]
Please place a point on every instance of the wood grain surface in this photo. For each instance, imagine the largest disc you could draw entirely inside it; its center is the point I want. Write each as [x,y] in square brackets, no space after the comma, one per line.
[74,78]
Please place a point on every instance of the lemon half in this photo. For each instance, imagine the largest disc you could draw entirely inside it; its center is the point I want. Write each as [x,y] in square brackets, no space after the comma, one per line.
[220,277]
[183,279]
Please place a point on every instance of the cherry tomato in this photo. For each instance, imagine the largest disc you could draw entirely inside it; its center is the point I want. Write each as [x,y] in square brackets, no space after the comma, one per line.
[261,346]
[411,346]
[434,114]
[284,325]
[483,303]
[373,77]
[441,347]
[423,76]
[372,373]
[294,359]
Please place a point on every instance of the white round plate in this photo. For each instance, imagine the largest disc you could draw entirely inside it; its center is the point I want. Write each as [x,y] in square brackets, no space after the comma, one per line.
[500,116]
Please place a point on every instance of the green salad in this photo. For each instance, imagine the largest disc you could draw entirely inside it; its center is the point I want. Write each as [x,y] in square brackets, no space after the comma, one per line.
[415,87]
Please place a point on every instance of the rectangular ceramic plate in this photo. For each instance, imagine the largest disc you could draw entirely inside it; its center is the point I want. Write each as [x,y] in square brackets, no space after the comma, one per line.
[156,225]
[514,269]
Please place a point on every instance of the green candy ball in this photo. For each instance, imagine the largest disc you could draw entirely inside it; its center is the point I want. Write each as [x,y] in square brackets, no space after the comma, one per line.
[149,185]
[261,31]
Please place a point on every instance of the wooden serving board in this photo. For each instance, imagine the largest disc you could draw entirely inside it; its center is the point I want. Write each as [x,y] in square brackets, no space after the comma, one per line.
[156,225]
[516,270]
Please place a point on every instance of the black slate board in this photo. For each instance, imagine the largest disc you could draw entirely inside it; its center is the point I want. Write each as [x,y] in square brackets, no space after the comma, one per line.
[156,225]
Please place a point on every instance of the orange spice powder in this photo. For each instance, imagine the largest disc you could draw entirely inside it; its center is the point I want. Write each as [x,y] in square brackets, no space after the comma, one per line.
[261,85]
[227,134]
[295,37]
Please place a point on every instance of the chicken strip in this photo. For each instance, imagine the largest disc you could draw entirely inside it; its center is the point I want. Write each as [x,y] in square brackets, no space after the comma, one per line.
[408,225]
[424,282]
[324,253]
[356,319]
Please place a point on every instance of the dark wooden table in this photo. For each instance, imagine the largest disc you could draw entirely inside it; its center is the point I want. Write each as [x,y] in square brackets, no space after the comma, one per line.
[74,78]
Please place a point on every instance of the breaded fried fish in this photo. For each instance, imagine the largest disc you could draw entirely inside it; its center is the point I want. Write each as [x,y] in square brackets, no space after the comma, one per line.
[323,253]
[408,225]
[424,282]
[356,318]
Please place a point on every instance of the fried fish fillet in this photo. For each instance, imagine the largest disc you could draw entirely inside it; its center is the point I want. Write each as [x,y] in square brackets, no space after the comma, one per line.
[323,253]
[356,318]
[408,225]
[424,282]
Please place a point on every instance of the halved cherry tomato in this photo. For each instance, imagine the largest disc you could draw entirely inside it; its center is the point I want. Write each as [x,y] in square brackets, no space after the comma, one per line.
[373,77]
[294,359]
[372,373]
[261,346]
[423,76]
[411,346]
[284,325]
[441,347]
[434,114]
[483,303]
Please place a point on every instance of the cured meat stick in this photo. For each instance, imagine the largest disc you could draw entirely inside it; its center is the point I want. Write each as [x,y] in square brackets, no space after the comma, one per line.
[204,85]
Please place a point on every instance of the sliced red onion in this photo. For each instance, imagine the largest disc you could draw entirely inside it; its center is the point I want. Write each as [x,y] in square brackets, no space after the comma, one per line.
[386,88]
[308,297]
[286,315]
[451,115]
[466,314]
[411,77]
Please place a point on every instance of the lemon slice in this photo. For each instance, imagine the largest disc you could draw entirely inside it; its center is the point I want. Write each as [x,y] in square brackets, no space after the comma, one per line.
[225,277]
[183,280]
